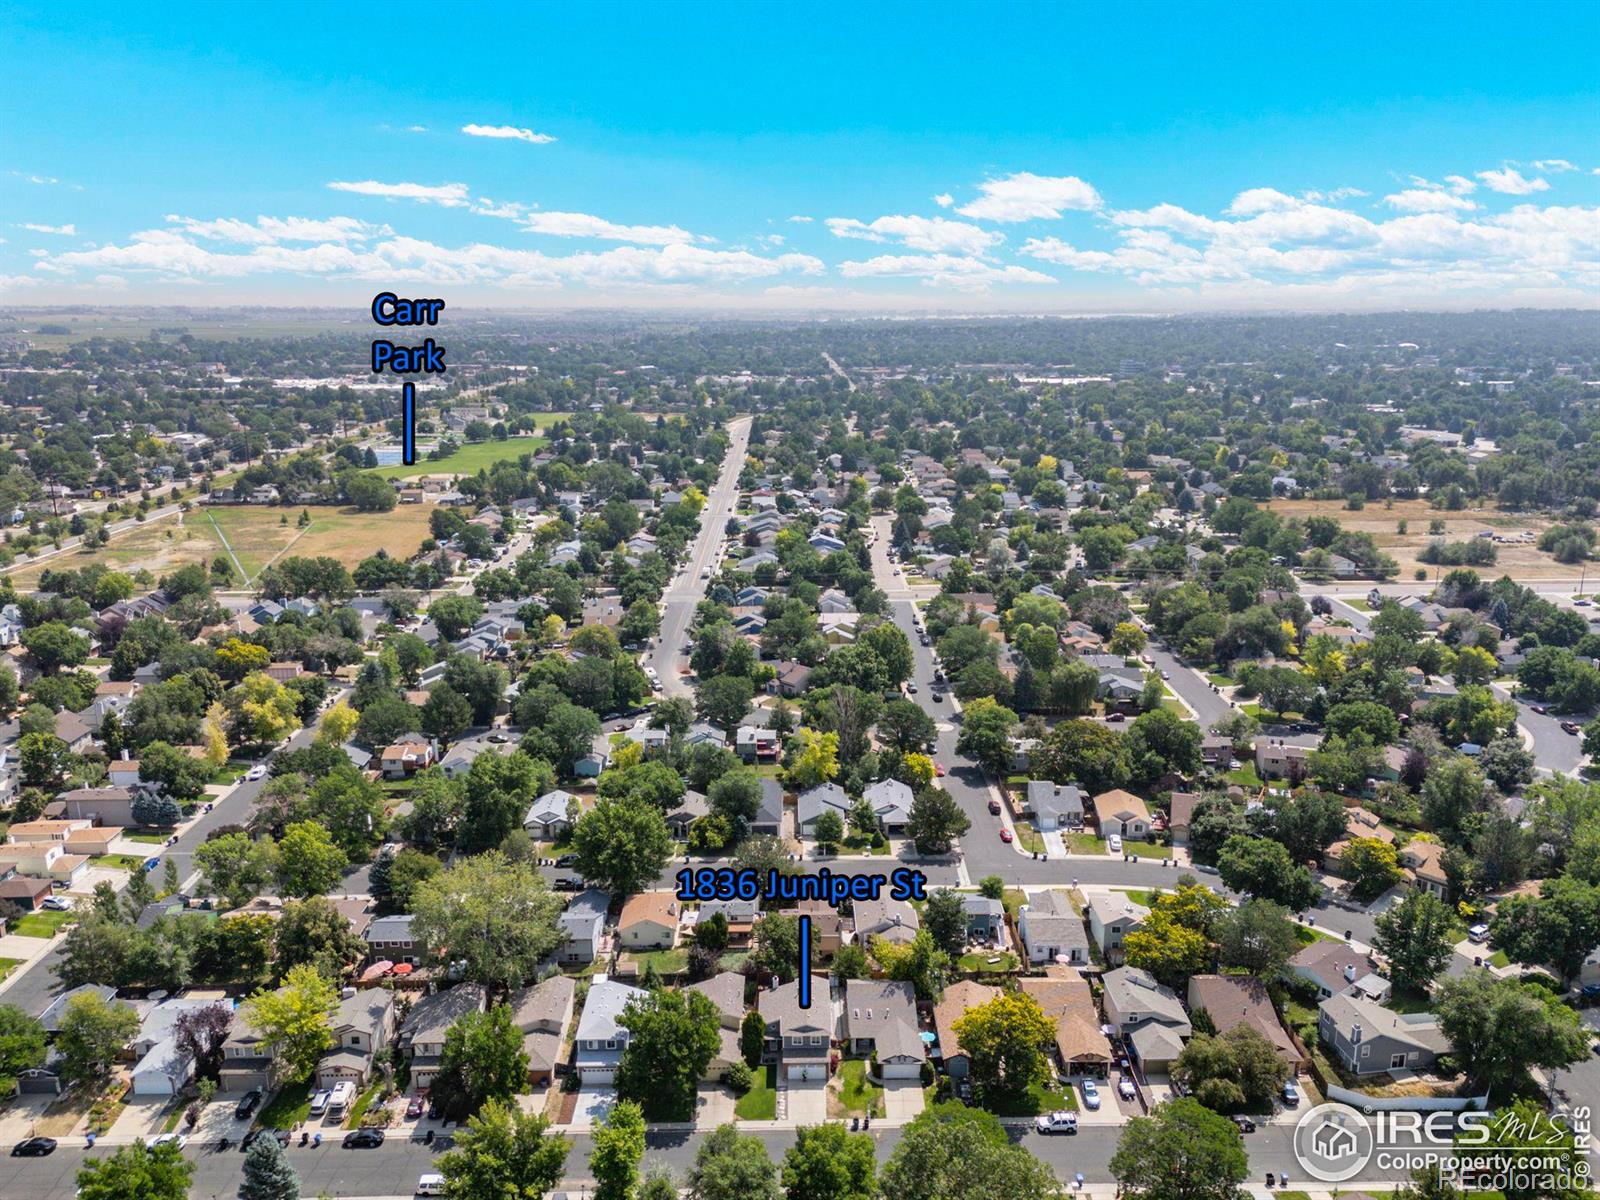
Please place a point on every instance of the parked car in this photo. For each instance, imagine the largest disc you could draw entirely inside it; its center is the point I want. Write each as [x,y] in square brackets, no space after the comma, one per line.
[414,1108]
[363,1139]
[259,771]
[1091,1094]
[1005,834]
[319,1102]
[57,903]
[938,769]
[994,806]
[1057,1122]
[567,860]
[1126,1089]
[566,883]
[176,1139]
[247,1104]
[1245,1124]
[1291,1094]
[1571,727]
[1114,842]
[34,1147]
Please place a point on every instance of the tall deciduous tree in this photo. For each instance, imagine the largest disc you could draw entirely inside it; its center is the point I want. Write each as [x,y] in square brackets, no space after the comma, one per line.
[295,1021]
[483,1060]
[622,844]
[496,916]
[1182,1151]
[503,1151]
[137,1170]
[1415,936]
[951,1150]
[732,1166]
[618,1147]
[672,1038]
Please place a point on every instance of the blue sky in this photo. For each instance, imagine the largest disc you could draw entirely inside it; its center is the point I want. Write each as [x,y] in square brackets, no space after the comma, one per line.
[957,157]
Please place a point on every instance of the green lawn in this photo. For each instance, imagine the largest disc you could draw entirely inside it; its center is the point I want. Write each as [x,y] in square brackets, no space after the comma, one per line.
[290,1107]
[470,459]
[1144,896]
[7,965]
[864,847]
[231,772]
[1359,603]
[1220,678]
[1040,1098]
[122,862]
[666,962]
[1028,838]
[41,924]
[1146,849]
[857,1093]
[1499,959]
[1083,843]
[1244,776]
[363,1102]
[1308,935]
[981,963]
[1013,899]
[149,839]
[760,1103]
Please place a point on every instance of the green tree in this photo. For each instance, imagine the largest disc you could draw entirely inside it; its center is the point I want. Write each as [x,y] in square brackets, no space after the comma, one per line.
[446,713]
[236,866]
[935,821]
[1557,928]
[1257,937]
[1086,752]
[268,1174]
[261,710]
[137,1172]
[1161,742]
[22,1044]
[985,736]
[1371,865]
[495,794]
[732,1166]
[1499,1028]
[497,917]
[945,918]
[622,845]
[618,1147]
[672,1039]
[1415,937]
[309,864]
[752,1038]
[483,1060]
[1182,1151]
[828,1163]
[295,1021]
[1264,868]
[952,1151]
[55,644]
[93,1032]
[1008,1041]
[504,1152]
[1230,1071]
[829,830]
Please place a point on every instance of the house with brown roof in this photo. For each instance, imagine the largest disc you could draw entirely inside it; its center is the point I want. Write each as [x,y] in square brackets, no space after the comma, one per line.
[957,999]
[726,992]
[1358,823]
[25,891]
[1180,814]
[1121,813]
[827,926]
[880,1018]
[1234,1000]
[649,921]
[1424,865]
[543,1013]
[284,671]
[1066,998]
[402,759]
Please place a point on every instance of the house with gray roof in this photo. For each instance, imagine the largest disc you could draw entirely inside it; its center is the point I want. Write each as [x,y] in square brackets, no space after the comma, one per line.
[880,1018]
[600,1040]
[798,1039]
[1112,917]
[726,991]
[431,1018]
[813,802]
[391,938]
[885,917]
[1368,1038]
[891,801]
[1051,931]
[583,926]
[543,1012]
[363,1025]
[548,816]
[1054,805]
[769,813]
[1148,1014]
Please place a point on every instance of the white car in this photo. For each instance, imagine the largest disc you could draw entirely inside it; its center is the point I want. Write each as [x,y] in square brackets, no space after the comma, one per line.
[259,771]
[1091,1095]
[1114,843]
[177,1139]
[57,903]
[1061,1121]
[1125,1088]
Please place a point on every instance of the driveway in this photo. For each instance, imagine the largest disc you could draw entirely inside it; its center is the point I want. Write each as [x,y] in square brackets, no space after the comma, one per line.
[902,1099]
[1054,845]
[807,1101]
[713,1106]
[593,1105]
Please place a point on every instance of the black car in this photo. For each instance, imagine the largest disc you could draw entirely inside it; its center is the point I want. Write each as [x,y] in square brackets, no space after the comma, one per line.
[1245,1124]
[34,1147]
[566,883]
[247,1105]
[363,1139]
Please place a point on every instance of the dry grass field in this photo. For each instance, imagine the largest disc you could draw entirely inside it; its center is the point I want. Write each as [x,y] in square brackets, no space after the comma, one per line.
[255,535]
[1519,561]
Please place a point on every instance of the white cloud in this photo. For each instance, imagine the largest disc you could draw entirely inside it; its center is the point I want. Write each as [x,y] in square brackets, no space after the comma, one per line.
[268,231]
[1029,197]
[41,180]
[802,220]
[1510,182]
[1459,184]
[416,129]
[941,270]
[1428,200]
[569,224]
[944,199]
[511,132]
[1260,200]
[934,234]
[1332,196]
[1554,166]
[450,195]
[63,230]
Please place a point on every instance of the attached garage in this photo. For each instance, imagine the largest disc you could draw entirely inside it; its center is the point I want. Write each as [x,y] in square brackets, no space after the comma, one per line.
[801,1072]
[900,1067]
[599,1076]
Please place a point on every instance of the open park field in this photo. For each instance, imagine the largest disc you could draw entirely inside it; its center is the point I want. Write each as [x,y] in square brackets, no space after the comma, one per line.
[254,535]
[1521,562]
[471,458]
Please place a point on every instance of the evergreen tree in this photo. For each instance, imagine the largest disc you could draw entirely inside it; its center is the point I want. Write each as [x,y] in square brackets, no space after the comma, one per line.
[268,1174]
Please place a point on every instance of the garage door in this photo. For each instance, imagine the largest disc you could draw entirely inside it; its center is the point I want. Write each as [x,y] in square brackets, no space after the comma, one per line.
[599,1076]
[812,1071]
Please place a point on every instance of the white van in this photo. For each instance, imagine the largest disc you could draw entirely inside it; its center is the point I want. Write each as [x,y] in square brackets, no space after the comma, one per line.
[430,1185]
[339,1100]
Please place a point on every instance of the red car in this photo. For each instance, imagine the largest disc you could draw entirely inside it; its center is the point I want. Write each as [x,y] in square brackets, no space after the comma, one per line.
[938,769]
[1005,834]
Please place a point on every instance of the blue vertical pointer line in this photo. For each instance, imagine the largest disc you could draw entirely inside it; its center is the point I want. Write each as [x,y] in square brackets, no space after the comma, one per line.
[805,962]
[408,433]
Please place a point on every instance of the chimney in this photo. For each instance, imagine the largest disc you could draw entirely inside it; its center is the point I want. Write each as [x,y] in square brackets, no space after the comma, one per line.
[1355,1034]
[1350,973]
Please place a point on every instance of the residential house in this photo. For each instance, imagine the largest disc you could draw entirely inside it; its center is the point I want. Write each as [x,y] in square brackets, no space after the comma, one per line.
[1051,931]
[986,919]
[103,805]
[1368,1038]
[769,815]
[739,914]
[649,921]
[163,1068]
[402,759]
[600,1040]
[1333,967]
[1277,759]
[1112,917]
[1180,815]
[880,1019]
[363,1025]
[1424,863]
[1234,1000]
[828,928]
[1121,813]
[754,743]
[691,807]
[1055,806]
[798,1039]
[791,680]
[431,1018]
[391,938]
[583,927]
[957,999]
[1148,1014]
[1082,1047]
[726,992]
[893,920]
[543,1012]
[891,802]
[813,802]
[550,816]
